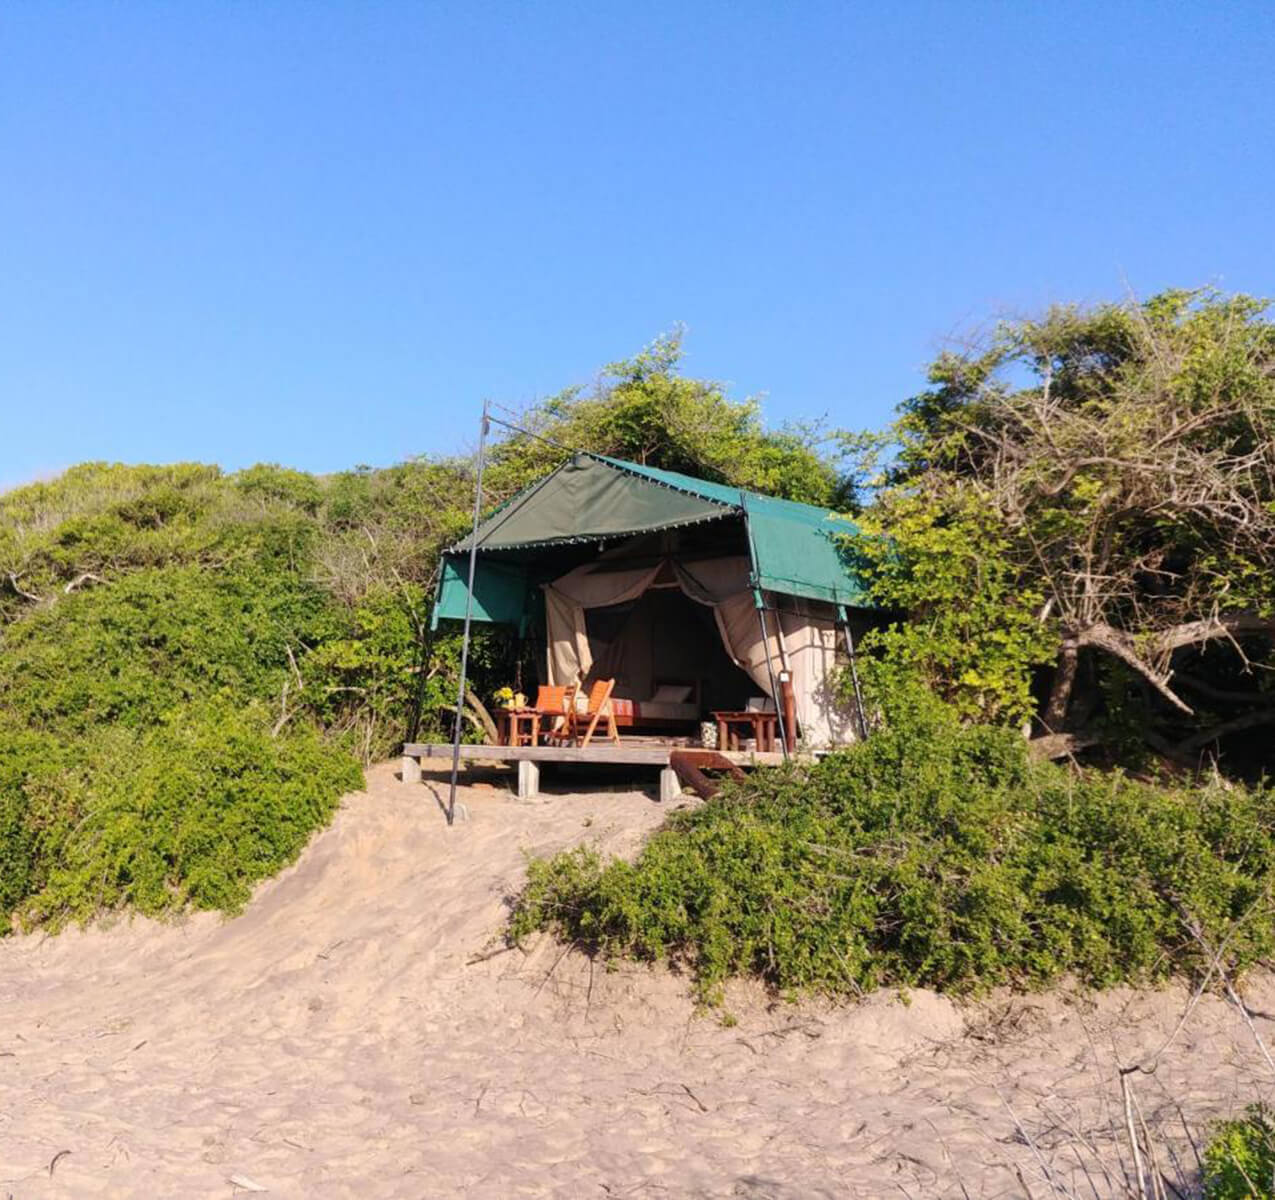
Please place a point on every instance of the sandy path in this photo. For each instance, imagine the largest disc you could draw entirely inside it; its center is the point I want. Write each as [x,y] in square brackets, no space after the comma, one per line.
[334,1042]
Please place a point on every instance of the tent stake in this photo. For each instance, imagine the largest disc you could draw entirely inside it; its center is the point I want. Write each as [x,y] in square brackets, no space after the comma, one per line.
[483,427]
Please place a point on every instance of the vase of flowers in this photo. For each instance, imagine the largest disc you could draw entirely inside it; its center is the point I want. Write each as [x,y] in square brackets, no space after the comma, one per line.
[506,697]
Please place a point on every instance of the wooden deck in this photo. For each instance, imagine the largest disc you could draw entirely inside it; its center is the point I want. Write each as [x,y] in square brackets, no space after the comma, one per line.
[529,758]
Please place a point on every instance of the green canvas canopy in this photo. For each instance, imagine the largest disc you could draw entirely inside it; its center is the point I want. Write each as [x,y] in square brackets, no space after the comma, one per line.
[795,549]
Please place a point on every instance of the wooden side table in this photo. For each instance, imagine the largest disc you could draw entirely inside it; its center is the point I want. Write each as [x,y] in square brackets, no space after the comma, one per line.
[760,725]
[518,726]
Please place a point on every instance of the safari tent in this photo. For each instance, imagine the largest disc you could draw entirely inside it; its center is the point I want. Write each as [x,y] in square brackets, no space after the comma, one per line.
[695,596]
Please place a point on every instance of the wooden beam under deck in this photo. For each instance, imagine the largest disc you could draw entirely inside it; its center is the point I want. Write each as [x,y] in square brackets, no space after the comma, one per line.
[649,756]
[529,758]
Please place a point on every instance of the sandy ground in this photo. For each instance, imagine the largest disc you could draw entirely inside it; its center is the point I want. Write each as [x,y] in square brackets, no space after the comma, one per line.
[337,1040]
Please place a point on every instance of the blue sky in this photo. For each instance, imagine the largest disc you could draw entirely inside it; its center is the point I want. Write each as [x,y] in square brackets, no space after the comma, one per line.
[321,233]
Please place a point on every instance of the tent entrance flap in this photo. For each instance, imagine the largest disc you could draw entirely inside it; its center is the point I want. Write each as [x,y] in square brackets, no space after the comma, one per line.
[500,591]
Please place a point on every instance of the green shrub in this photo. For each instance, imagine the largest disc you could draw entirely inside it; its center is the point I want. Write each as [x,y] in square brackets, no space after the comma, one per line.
[273,482]
[156,624]
[129,651]
[1239,1162]
[194,810]
[935,854]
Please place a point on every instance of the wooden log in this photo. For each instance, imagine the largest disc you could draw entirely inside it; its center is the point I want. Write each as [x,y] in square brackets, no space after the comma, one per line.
[689,765]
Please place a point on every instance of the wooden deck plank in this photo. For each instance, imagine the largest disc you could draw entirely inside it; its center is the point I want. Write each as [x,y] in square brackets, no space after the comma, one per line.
[608,754]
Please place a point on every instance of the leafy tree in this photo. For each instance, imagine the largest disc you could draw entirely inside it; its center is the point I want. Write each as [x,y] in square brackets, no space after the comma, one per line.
[972,629]
[644,410]
[1124,460]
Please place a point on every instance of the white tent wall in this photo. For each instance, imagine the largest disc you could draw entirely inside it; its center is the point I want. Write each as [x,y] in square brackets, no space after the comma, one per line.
[803,634]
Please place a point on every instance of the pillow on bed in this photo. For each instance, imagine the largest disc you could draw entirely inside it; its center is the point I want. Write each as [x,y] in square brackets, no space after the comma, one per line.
[672,693]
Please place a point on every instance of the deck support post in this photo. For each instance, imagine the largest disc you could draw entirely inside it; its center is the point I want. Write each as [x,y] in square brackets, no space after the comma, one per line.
[670,785]
[528,779]
[411,769]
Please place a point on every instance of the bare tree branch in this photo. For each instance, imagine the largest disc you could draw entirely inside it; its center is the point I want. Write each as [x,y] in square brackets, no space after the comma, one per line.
[13,583]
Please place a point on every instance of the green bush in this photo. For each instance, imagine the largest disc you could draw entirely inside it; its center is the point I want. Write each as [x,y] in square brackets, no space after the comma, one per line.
[194,810]
[1239,1162]
[129,651]
[170,617]
[935,854]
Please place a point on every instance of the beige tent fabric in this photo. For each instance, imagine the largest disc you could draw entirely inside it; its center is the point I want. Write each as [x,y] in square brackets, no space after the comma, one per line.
[741,635]
[570,658]
[712,580]
[803,635]
[801,642]
[810,648]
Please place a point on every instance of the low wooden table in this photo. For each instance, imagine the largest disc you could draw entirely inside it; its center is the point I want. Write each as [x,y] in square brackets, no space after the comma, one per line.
[518,726]
[761,725]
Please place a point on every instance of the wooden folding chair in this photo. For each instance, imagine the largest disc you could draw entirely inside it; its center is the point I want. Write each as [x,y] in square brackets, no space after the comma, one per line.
[600,707]
[558,706]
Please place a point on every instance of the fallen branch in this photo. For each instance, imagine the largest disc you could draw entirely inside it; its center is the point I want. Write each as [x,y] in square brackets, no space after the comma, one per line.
[79,581]
[1250,720]
[13,583]
[488,954]
[284,715]
[1215,960]
[1122,646]
[295,669]
[1223,695]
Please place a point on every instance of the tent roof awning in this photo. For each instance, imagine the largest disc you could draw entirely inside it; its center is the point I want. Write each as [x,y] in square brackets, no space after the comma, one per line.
[589,499]
[796,548]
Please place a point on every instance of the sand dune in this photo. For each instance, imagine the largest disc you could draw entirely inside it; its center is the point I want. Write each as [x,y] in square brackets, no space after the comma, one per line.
[337,1040]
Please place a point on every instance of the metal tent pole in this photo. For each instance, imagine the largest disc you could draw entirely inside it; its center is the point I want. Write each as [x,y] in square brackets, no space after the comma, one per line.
[854,672]
[483,428]
[770,670]
[759,601]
